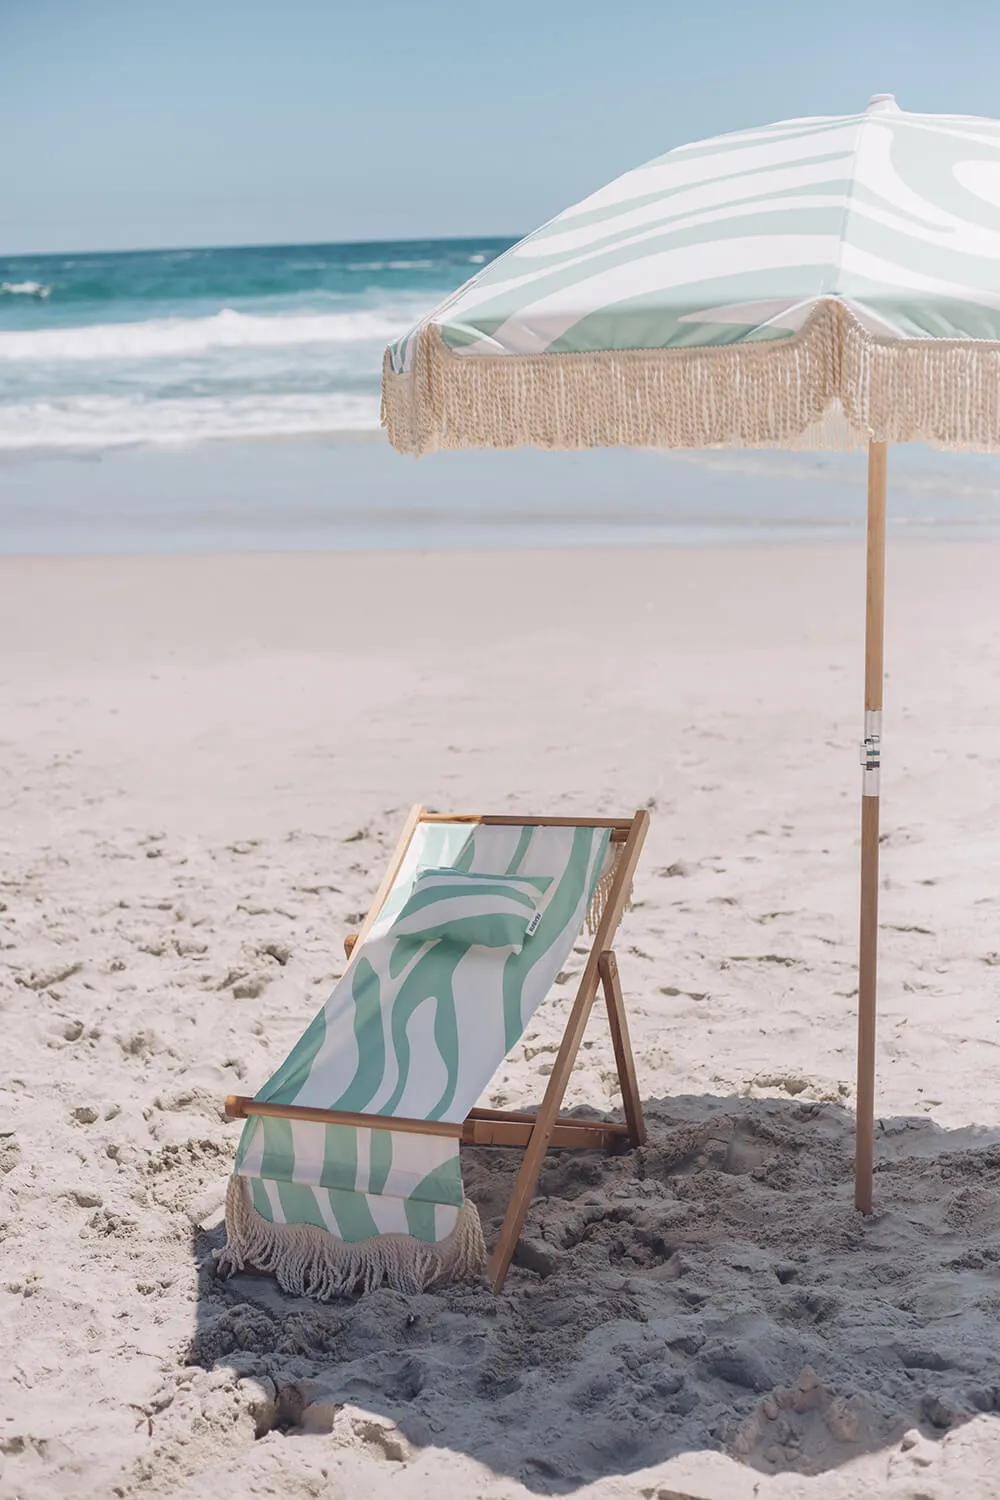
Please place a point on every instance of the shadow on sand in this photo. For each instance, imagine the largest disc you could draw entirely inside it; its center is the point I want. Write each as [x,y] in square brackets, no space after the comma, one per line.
[714,1290]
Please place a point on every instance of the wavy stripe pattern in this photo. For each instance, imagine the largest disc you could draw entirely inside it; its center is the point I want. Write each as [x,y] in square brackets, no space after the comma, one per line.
[728,243]
[738,237]
[416,1028]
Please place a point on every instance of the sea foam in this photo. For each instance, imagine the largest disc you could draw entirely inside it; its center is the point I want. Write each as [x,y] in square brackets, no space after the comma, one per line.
[86,423]
[159,338]
[178,346]
[24,289]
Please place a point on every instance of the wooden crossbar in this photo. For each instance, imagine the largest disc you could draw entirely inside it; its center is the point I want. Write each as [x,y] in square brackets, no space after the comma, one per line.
[529,1117]
[238,1106]
[481,1127]
[568,1133]
[620,827]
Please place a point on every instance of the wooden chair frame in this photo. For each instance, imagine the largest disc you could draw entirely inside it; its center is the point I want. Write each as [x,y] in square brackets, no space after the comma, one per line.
[535,1133]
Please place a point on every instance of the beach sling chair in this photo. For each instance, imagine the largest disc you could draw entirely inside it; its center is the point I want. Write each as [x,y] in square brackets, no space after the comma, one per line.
[347,1173]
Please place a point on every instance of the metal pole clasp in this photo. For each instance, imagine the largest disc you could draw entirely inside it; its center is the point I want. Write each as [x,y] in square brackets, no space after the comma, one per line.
[871,753]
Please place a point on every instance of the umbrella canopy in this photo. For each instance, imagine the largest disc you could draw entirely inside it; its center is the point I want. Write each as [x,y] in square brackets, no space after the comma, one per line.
[817,282]
[825,281]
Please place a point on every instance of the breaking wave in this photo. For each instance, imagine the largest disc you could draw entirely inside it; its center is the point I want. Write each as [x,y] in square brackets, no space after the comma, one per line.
[87,423]
[159,338]
[24,289]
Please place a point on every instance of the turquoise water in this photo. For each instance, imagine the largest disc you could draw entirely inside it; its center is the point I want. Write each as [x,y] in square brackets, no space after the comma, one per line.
[174,347]
[118,371]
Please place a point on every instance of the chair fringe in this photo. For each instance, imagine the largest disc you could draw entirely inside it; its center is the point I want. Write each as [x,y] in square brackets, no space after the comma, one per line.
[831,385]
[602,895]
[310,1262]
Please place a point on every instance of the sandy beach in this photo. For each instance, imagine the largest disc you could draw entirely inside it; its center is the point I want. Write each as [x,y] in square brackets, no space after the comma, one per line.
[204,761]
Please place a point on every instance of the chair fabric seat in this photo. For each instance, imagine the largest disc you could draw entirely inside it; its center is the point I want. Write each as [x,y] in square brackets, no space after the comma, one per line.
[415,1029]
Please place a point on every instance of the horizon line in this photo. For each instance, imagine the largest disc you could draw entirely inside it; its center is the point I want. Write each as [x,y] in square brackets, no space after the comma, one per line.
[260,245]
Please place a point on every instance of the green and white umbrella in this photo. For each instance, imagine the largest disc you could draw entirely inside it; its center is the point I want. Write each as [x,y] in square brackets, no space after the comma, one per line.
[830,281]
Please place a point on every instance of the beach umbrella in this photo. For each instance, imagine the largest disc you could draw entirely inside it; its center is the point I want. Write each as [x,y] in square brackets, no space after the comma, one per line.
[829,281]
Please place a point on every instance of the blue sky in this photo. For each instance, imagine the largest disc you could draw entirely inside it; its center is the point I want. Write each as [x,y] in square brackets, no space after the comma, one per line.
[142,123]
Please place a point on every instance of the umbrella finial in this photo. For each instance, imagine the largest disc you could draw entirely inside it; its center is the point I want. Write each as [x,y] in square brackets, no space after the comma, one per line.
[882,104]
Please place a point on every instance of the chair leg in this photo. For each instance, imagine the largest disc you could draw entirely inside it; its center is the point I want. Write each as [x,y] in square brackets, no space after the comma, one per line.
[534,1155]
[527,1178]
[618,1021]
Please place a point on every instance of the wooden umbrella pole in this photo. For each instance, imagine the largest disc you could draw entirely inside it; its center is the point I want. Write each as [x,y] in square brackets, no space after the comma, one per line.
[871,761]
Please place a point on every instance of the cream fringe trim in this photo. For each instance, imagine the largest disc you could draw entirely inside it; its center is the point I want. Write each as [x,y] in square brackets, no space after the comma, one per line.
[830,385]
[602,894]
[309,1262]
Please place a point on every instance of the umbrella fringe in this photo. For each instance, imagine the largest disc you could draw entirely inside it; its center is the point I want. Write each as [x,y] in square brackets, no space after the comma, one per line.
[307,1261]
[831,385]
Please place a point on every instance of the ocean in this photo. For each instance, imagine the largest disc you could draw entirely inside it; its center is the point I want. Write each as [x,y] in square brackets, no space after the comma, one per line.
[143,396]
[170,347]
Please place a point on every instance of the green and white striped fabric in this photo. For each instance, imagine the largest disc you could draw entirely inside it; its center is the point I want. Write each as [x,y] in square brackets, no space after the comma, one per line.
[492,911]
[881,227]
[416,1028]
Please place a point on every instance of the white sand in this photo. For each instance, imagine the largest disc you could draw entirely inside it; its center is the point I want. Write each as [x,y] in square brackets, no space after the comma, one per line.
[203,763]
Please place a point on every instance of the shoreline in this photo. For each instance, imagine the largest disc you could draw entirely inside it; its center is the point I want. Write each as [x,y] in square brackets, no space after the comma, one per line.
[306,495]
[757,540]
